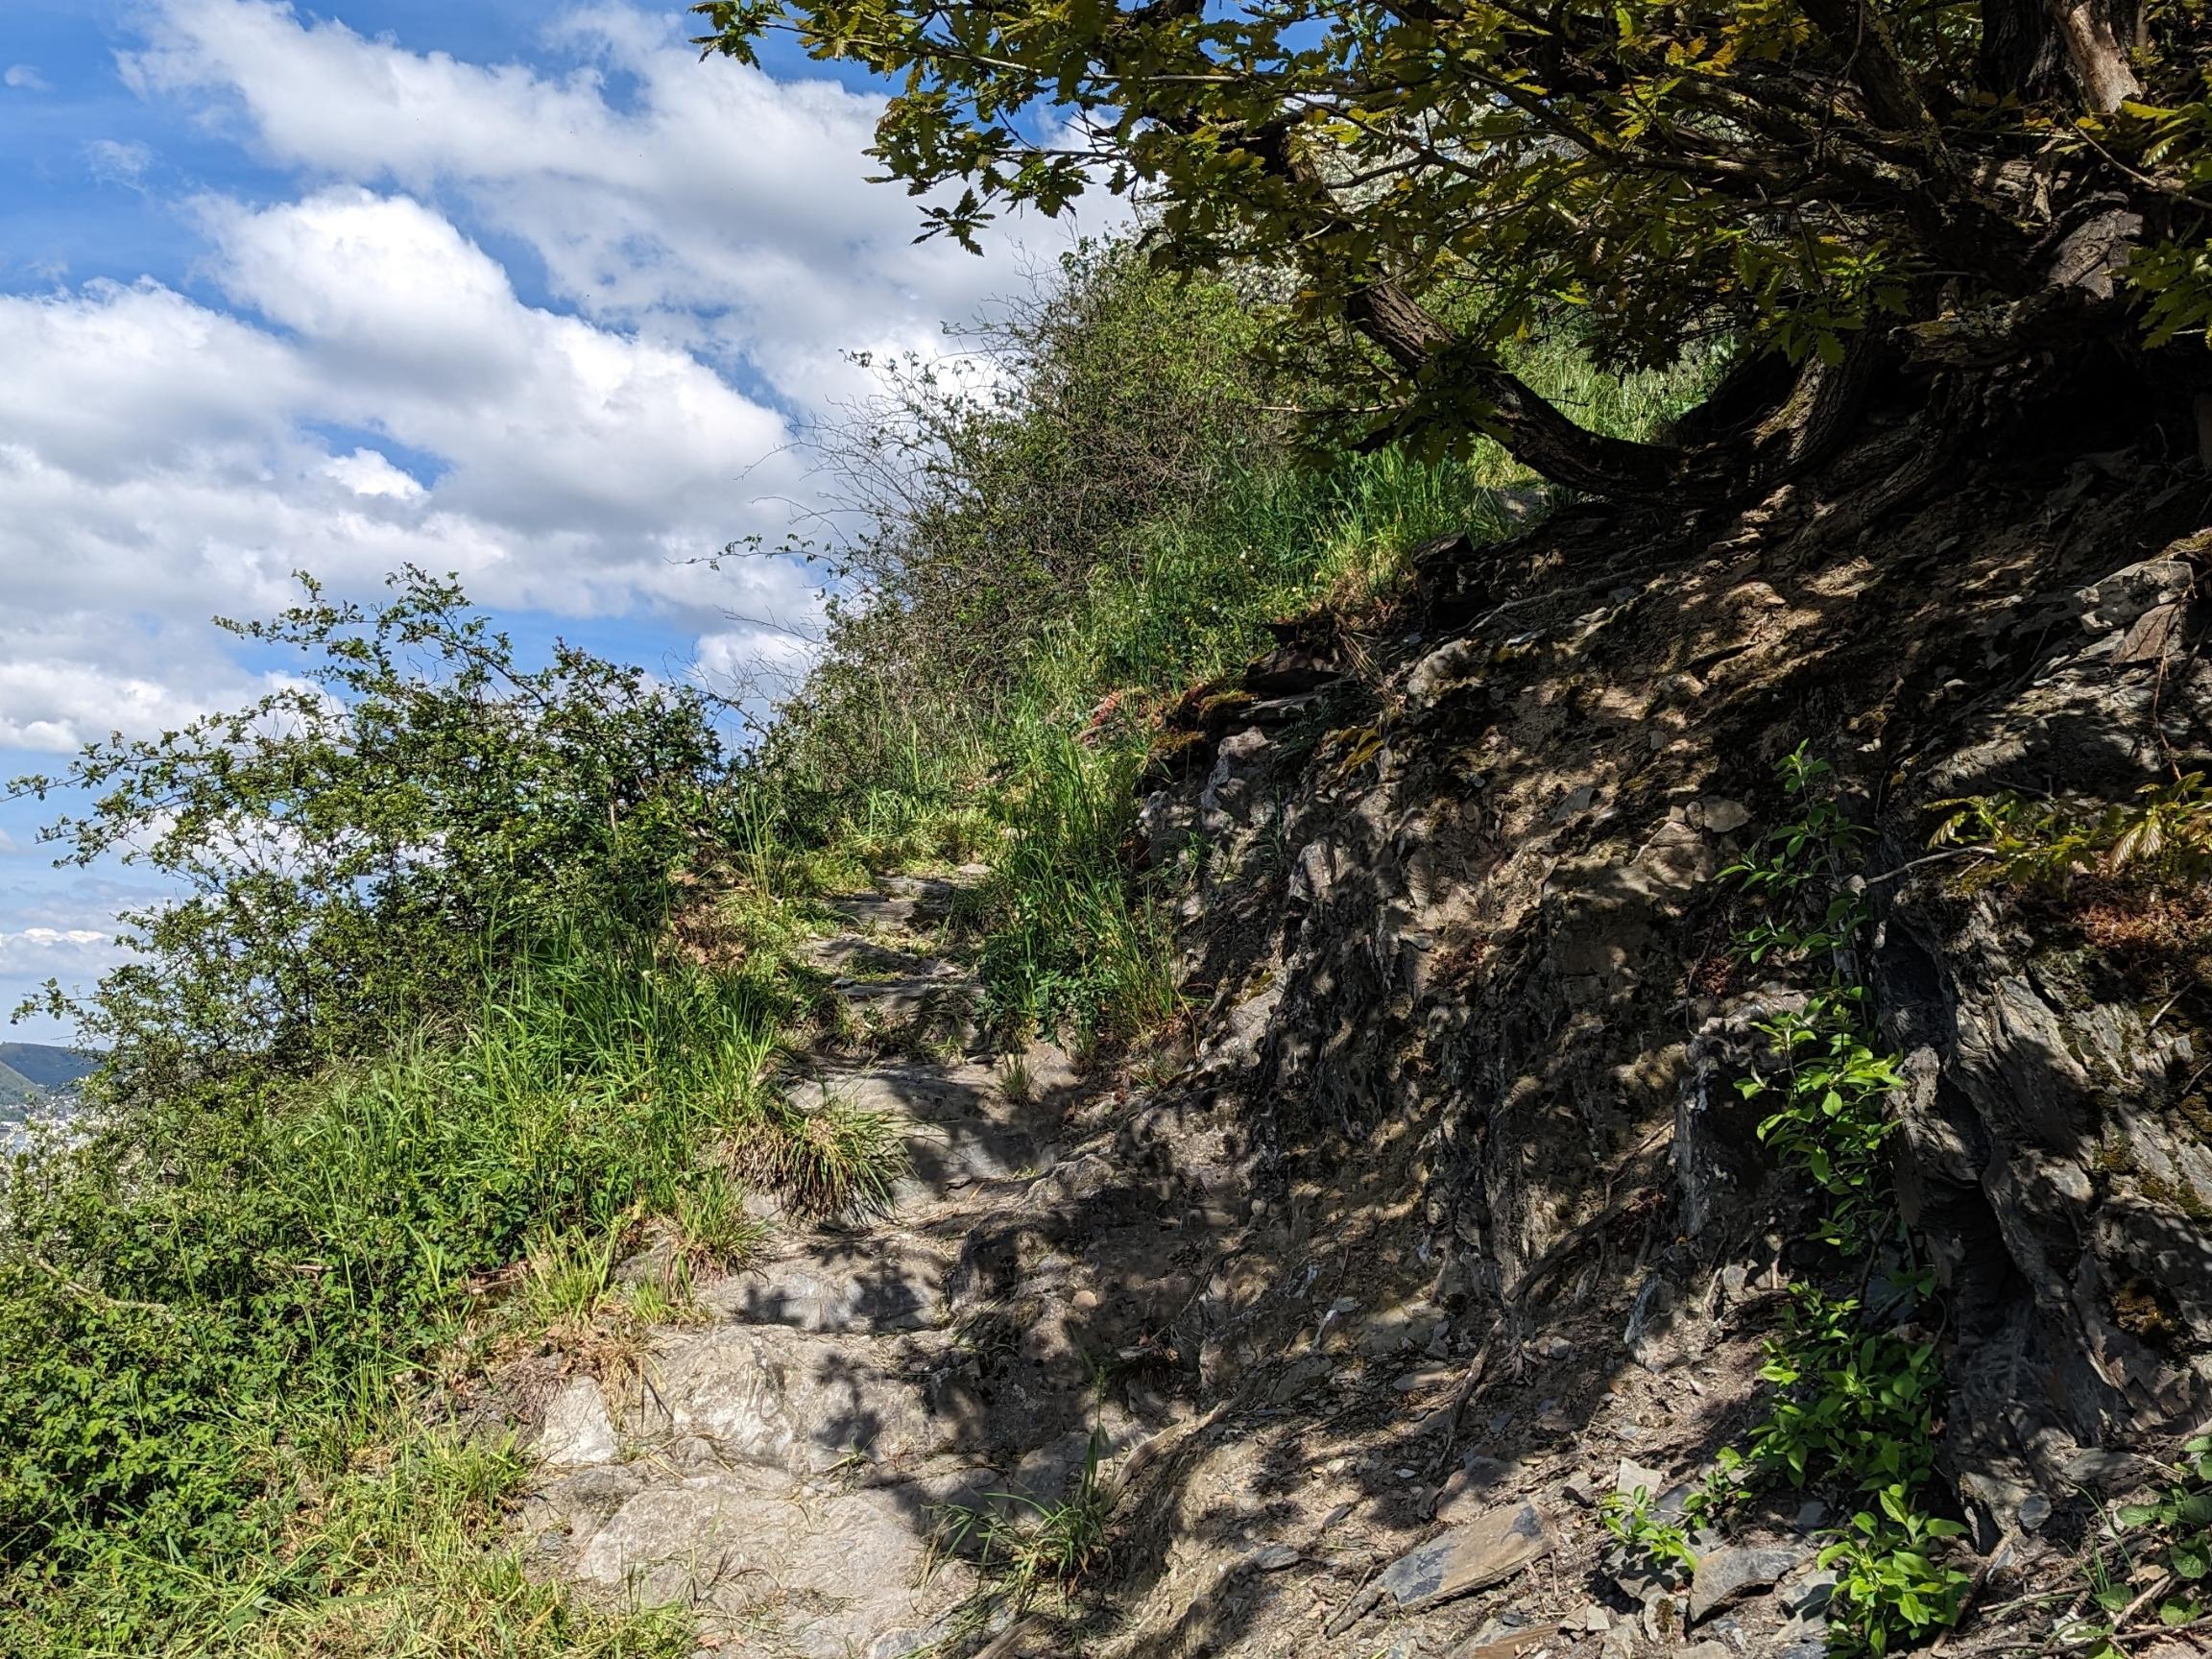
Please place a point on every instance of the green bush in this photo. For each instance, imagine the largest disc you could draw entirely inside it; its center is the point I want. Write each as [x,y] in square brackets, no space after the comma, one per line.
[411,1025]
[345,845]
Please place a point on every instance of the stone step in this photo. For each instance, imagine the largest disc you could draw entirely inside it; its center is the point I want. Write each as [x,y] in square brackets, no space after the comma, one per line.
[947,994]
[935,892]
[874,1285]
[795,1566]
[915,1090]
[874,912]
[807,1403]
[855,954]
[903,901]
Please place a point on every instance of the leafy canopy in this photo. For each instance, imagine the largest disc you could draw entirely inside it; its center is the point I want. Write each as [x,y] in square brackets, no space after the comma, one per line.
[1438,176]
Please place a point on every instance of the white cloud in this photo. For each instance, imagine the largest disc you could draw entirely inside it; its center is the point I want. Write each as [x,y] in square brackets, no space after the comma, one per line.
[24,78]
[372,389]
[48,938]
[158,460]
[60,706]
[67,933]
[366,472]
[118,161]
[759,663]
[712,205]
[30,957]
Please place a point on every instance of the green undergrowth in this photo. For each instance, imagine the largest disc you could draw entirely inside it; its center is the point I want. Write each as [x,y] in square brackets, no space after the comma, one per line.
[215,1308]
[1037,778]
[2163,836]
[2155,1573]
[1856,1389]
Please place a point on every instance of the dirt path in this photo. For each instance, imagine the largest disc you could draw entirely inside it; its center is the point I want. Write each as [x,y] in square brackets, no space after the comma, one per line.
[782,1465]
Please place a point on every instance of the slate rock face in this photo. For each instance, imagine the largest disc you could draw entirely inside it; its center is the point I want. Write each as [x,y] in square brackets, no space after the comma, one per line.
[1498,899]
[1466,1061]
[2054,1156]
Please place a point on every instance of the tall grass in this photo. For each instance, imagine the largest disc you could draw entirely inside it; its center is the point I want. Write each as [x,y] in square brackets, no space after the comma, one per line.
[208,1309]
[390,1561]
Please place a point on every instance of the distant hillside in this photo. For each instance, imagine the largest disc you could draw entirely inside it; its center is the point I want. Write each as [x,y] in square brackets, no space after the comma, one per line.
[16,1090]
[43,1065]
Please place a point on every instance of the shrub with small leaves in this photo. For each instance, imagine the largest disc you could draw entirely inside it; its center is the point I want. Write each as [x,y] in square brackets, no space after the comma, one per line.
[1890,1588]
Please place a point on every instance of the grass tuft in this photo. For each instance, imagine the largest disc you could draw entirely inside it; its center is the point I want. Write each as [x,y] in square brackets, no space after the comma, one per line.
[1025,1548]
[838,1162]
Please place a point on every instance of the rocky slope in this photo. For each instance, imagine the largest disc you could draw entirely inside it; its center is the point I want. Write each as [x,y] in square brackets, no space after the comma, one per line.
[1452,1223]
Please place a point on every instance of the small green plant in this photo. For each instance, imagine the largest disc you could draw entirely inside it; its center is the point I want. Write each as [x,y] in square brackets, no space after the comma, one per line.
[1722,1491]
[659,1299]
[1796,869]
[1041,1546]
[1661,1544]
[567,1279]
[1890,1588]
[1829,1089]
[1849,1401]
[2164,835]
[2179,1522]
[1015,1084]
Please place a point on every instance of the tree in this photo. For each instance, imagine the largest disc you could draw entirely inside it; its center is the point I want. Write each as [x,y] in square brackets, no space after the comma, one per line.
[1849,187]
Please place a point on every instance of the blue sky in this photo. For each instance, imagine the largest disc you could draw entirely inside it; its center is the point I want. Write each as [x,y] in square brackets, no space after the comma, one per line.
[517,290]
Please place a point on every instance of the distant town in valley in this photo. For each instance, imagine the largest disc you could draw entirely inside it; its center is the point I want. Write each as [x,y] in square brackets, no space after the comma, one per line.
[33,1071]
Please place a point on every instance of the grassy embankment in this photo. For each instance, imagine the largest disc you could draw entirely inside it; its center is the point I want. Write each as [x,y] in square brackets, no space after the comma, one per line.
[347,1173]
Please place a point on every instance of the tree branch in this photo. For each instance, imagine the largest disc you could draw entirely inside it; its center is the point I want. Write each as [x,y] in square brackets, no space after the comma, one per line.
[1857,30]
[2094,53]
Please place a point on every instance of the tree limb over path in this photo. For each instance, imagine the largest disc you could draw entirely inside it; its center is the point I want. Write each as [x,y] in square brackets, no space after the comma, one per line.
[1832,182]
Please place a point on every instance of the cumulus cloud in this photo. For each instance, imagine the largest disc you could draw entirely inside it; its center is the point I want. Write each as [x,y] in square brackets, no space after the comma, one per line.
[361,384]
[24,78]
[160,460]
[711,203]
